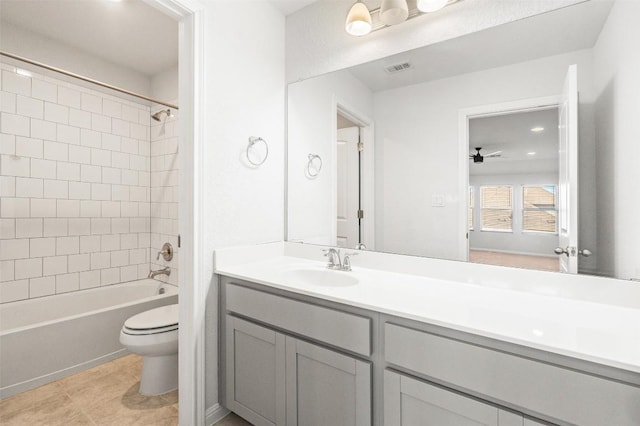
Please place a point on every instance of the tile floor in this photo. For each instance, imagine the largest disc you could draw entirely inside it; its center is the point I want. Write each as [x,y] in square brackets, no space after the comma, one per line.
[103,395]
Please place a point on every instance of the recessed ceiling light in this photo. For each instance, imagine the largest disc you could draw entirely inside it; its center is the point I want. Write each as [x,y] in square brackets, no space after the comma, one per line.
[531,153]
[25,73]
[537,129]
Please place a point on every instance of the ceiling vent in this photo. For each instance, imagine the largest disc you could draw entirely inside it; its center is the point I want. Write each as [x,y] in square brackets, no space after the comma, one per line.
[392,69]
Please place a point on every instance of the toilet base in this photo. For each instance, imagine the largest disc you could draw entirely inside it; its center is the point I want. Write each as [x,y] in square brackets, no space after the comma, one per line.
[159,374]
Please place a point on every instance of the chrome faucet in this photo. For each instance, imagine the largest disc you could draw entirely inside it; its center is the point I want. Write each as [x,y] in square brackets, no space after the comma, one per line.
[334,258]
[335,262]
[164,271]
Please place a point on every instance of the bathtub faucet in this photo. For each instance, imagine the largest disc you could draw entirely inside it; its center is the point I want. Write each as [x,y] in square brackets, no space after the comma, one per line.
[164,271]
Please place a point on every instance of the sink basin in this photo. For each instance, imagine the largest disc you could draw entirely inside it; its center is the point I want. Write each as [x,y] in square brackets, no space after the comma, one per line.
[321,277]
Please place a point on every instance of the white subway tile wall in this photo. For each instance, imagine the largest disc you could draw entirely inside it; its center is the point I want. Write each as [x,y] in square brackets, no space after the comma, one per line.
[75,181]
[163,183]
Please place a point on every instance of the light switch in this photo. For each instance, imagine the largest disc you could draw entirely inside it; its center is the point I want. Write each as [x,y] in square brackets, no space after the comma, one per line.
[437,200]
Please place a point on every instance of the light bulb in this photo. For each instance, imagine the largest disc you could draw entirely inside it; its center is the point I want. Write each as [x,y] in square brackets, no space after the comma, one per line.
[358,20]
[394,12]
[431,5]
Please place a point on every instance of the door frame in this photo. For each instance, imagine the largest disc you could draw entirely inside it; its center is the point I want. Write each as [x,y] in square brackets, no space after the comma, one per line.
[192,259]
[367,173]
[489,110]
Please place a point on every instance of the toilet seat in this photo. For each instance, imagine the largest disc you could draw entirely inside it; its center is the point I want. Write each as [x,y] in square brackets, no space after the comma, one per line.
[134,332]
[155,321]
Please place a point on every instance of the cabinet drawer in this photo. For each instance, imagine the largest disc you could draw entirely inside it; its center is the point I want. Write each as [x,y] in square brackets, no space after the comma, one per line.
[559,393]
[340,329]
[408,401]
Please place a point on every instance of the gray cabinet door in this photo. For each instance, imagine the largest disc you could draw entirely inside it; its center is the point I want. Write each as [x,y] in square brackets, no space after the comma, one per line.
[410,402]
[325,387]
[255,372]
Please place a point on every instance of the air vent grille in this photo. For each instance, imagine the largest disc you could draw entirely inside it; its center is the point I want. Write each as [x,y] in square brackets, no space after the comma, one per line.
[391,69]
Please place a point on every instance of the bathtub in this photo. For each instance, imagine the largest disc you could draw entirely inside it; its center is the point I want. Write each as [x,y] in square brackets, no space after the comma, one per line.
[45,339]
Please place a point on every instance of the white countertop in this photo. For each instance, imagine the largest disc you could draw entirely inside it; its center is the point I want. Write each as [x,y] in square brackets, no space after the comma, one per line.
[603,333]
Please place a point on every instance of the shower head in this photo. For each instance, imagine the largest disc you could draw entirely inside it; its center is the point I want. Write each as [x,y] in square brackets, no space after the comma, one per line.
[158,114]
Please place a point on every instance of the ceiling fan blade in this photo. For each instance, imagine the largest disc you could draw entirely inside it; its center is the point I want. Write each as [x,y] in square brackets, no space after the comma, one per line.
[494,154]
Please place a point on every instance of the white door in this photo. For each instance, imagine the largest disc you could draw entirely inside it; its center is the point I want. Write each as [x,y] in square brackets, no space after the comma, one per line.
[348,188]
[568,174]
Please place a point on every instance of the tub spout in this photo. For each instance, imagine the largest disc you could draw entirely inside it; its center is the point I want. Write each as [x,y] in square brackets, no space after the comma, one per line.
[164,271]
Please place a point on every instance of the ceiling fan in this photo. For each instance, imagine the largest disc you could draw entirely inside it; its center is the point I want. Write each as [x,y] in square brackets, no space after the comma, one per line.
[479,158]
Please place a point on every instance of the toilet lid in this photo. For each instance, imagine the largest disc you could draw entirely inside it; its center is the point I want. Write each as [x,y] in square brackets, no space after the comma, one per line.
[164,317]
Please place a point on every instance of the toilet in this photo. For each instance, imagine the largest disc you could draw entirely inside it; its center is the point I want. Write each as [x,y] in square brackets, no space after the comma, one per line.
[154,335]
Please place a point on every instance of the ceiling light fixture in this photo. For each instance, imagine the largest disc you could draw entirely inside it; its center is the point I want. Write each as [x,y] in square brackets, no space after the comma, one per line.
[393,12]
[428,6]
[24,73]
[532,153]
[361,21]
[537,129]
[358,20]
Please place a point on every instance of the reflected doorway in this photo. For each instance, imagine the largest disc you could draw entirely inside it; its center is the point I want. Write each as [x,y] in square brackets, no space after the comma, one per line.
[513,189]
[349,183]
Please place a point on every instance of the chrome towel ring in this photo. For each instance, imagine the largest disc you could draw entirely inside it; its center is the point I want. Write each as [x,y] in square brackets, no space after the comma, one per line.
[314,165]
[253,140]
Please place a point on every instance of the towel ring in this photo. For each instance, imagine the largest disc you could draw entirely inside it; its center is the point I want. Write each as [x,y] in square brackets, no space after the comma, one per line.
[311,164]
[252,141]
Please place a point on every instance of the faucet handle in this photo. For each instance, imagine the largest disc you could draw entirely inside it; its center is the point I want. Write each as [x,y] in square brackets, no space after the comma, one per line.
[166,252]
[346,261]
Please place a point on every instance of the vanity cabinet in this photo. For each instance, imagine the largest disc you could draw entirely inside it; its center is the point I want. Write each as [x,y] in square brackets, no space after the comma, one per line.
[275,376]
[412,402]
[292,359]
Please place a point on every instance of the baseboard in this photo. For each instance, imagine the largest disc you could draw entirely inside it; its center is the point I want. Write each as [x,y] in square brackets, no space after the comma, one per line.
[17,388]
[214,414]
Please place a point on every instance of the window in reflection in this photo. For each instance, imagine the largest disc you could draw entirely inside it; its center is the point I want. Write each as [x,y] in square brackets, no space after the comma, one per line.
[539,208]
[497,208]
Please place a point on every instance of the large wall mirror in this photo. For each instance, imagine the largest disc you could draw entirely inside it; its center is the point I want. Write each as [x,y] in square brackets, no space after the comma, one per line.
[505,146]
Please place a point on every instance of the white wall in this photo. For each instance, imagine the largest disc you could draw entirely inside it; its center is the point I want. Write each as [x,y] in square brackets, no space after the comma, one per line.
[617,67]
[517,241]
[317,42]
[312,129]
[164,85]
[245,94]
[417,149]
[36,47]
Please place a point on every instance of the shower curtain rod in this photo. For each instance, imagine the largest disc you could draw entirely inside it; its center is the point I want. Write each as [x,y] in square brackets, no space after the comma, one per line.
[87,79]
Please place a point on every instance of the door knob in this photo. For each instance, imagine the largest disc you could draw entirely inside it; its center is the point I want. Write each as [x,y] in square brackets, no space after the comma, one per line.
[569,251]
[585,252]
[560,250]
